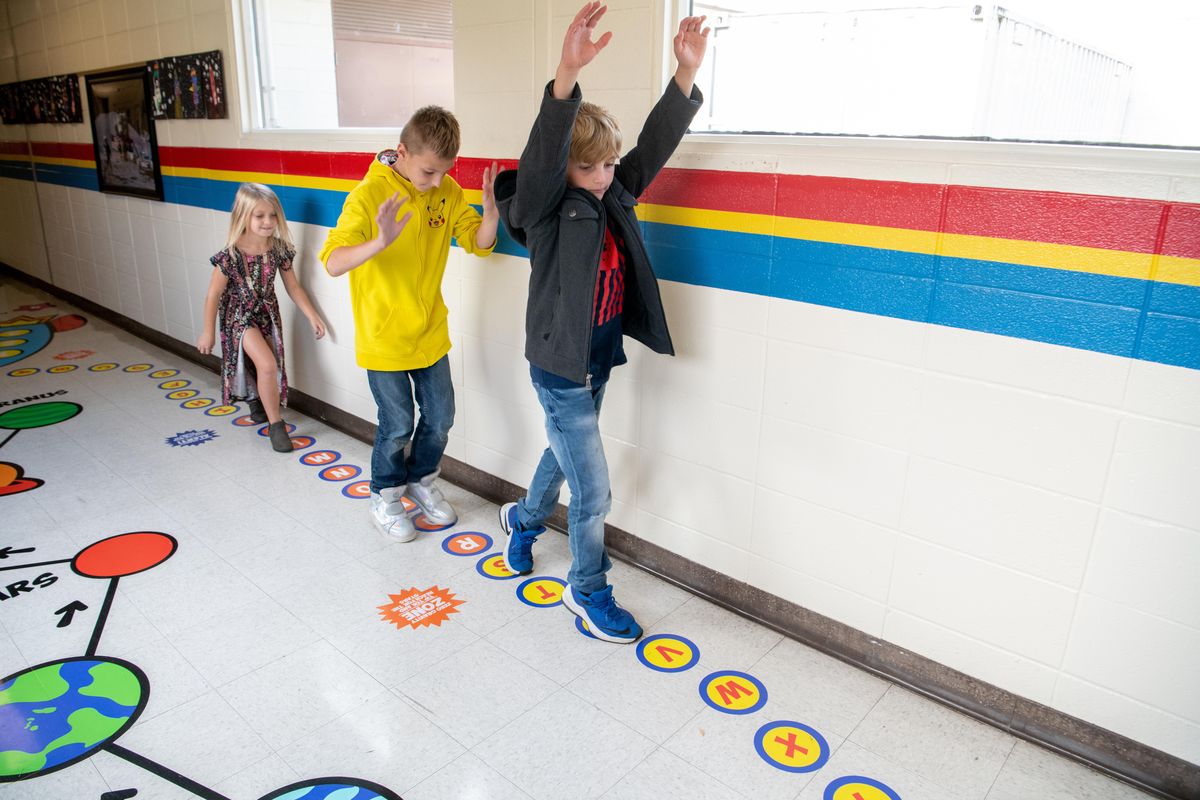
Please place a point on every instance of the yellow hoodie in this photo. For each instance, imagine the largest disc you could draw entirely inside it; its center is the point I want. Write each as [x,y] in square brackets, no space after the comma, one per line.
[399,314]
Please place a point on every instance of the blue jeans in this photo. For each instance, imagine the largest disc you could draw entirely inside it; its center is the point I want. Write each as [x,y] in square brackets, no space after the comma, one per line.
[576,455]
[393,392]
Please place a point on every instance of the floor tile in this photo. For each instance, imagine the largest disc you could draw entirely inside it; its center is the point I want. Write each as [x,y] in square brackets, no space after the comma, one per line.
[1031,771]
[830,694]
[382,740]
[547,640]
[300,692]
[541,751]
[944,746]
[242,640]
[466,778]
[655,704]
[477,691]
[664,775]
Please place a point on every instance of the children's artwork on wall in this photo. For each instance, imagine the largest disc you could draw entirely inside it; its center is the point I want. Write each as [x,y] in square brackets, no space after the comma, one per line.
[44,100]
[188,87]
[123,133]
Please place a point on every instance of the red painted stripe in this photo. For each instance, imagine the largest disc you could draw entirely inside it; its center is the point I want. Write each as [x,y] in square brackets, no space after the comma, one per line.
[746,192]
[891,204]
[222,158]
[351,166]
[1112,223]
[83,152]
[307,163]
[1182,236]
[469,171]
[20,148]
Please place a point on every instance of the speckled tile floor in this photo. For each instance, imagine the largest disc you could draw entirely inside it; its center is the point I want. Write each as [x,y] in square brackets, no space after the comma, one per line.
[185,613]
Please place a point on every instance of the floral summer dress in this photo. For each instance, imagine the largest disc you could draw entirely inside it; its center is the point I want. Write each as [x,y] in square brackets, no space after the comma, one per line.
[249,300]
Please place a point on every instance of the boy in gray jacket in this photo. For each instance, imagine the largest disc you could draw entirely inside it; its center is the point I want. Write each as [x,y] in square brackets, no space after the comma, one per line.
[571,204]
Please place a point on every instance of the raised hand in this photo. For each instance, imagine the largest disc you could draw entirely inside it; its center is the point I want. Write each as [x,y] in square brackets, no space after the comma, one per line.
[389,226]
[691,43]
[578,48]
[489,190]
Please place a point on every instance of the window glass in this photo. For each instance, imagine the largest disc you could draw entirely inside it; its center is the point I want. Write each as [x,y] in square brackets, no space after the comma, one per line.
[322,64]
[1095,71]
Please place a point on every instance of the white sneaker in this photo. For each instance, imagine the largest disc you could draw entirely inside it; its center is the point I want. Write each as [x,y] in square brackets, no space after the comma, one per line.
[395,526]
[431,502]
[394,498]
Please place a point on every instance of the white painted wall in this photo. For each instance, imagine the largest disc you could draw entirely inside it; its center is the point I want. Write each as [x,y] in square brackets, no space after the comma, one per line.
[1022,512]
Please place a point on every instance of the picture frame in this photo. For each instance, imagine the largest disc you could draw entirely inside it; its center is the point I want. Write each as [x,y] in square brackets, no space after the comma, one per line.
[123,134]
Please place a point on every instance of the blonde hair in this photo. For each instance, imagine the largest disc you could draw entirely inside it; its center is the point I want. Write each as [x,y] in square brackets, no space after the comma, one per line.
[432,128]
[596,136]
[248,196]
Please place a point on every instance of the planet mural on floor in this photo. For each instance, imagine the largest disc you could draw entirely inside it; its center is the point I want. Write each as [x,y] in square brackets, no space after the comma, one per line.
[57,713]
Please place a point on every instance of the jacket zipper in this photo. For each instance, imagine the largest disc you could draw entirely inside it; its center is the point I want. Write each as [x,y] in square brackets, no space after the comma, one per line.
[587,380]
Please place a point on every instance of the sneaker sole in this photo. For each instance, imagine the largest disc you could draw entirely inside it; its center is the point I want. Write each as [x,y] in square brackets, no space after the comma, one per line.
[593,629]
[386,531]
[504,526]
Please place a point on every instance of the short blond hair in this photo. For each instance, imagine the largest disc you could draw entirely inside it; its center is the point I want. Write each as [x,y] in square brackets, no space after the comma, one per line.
[596,136]
[432,128]
[248,196]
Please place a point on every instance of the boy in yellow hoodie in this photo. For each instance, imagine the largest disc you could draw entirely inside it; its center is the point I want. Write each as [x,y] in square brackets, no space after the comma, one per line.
[401,337]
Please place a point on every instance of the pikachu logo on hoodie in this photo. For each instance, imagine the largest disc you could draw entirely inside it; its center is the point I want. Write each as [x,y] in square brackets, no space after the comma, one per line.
[437,214]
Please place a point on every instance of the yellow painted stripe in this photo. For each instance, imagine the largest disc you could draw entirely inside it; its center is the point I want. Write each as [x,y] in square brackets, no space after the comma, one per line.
[67,162]
[1173,269]
[1074,258]
[735,221]
[278,179]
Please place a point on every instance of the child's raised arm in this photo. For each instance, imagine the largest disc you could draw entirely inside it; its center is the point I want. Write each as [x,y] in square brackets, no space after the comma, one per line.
[690,45]
[215,287]
[578,48]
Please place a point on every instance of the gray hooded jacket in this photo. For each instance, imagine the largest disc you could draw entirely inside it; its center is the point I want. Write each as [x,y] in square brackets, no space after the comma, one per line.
[563,229]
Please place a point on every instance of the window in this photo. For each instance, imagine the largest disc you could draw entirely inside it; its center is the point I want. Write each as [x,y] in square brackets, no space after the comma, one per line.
[322,64]
[1094,71]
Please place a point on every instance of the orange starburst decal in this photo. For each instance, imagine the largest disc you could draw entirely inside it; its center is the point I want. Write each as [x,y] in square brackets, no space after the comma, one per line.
[420,607]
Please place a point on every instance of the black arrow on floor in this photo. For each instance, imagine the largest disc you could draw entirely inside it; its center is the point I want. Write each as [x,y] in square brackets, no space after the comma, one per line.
[5,552]
[68,612]
[120,794]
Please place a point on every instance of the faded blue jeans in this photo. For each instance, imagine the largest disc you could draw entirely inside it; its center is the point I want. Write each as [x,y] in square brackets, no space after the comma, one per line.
[576,455]
[393,392]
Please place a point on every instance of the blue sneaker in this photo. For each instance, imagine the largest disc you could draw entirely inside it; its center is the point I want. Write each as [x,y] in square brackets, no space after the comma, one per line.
[605,619]
[518,552]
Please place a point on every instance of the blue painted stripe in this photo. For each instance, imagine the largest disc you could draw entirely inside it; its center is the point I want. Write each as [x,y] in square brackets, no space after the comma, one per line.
[1075,309]
[1040,318]
[1171,340]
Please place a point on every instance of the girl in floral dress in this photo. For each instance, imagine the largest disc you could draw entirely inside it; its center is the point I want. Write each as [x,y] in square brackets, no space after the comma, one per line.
[243,290]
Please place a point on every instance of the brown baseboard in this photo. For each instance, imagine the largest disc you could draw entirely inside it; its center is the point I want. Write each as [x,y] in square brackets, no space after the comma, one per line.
[1144,767]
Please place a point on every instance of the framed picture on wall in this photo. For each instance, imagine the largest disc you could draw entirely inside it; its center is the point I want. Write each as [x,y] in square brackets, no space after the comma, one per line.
[123,133]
